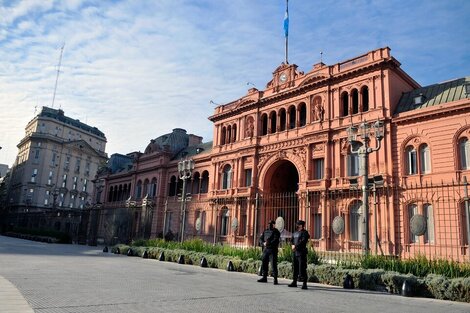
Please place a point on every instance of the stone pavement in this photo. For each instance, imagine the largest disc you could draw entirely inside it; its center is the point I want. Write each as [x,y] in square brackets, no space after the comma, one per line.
[11,300]
[71,278]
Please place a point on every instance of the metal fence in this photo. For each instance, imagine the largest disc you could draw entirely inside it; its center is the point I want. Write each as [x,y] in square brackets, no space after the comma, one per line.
[403,221]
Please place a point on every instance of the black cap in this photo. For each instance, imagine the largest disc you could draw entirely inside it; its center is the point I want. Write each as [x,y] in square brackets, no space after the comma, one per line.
[272,222]
[300,222]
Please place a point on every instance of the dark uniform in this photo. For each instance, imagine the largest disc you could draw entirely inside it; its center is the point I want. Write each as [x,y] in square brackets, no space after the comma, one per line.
[299,255]
[269,240]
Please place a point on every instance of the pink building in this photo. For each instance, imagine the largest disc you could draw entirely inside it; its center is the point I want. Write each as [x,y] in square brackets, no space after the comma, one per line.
[283,153]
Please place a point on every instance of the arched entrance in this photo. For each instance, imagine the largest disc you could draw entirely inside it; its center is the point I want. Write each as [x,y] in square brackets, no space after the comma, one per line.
[280,194]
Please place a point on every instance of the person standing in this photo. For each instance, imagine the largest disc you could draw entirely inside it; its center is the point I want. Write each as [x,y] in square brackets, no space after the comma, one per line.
[269,241]
[299,254]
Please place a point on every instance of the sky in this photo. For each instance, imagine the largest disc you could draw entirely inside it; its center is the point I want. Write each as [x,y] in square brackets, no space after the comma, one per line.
[138,69]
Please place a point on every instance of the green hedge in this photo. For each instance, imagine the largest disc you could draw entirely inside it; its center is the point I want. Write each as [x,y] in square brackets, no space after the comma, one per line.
[432,285]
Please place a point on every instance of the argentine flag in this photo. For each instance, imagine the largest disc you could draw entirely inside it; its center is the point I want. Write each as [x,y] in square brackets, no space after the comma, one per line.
[286,22]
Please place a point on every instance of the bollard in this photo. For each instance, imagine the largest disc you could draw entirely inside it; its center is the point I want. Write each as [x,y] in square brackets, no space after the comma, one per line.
[406,289]
[105,249]
[162,256]
[129,252]
[181,259]
[348,282]
[230,266]
[145,255]
[203,262]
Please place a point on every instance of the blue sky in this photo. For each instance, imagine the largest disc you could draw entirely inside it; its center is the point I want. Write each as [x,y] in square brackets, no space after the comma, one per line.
[137,69]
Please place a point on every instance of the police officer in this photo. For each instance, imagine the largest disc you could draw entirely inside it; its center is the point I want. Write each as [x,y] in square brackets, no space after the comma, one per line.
[269,241]
[299,254]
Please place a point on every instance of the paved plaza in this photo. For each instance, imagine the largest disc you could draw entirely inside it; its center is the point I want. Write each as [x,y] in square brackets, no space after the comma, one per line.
[57,278]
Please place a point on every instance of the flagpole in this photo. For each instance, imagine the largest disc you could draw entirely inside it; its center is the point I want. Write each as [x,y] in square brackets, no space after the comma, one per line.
[286,29]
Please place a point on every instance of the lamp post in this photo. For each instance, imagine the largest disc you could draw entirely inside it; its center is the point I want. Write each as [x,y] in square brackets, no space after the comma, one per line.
[363,150]
[185,169]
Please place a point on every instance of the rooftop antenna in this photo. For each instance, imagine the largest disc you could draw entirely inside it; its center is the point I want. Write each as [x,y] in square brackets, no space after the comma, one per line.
[321,56]
[58,71]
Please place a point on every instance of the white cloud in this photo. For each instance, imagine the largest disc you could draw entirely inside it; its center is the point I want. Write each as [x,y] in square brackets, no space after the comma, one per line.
[137,69]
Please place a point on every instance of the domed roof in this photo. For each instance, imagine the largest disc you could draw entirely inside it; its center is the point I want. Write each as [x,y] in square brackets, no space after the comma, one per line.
[172,142]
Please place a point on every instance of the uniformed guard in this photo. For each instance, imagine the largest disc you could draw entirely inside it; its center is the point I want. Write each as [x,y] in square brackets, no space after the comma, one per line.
[299,254]
[269,241]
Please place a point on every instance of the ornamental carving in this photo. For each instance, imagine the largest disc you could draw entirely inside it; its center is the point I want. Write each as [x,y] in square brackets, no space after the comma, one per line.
[318,148]
[250,127]
[300,152]
[317,109]
[281,145]
[417,140]
[344,146]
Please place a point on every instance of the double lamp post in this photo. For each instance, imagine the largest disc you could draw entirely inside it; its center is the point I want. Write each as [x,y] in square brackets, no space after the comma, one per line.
[363,150]
[185,169]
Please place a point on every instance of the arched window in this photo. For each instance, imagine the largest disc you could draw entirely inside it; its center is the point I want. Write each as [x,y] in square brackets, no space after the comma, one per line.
[195,184]
[205,182]
[345,103]
[292,117]
[365,98]
[227,177]
[302,114]
[355,221]
[146,188]
[153,187]
[222,137]
[138,191]
[282,119]
[411,161]
[464,154]
[264,124]
[228,138]
[425,159]
[172,189]
[412,211]
[234,132]
[110,195]
[273,118]
[353,164]
[429,215]
[224,221]
[355,101]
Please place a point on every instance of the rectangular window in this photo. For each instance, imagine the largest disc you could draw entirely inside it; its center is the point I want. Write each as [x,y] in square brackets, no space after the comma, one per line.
[412,168]
[85,182]
[429,215]
[77,166]
[248,177]
[167,223]
[67,163]
[412,211]
[87,168]
[64,181]
[353,164]
[61,200]
[317,226]
[46,197]
[49,179]
[74,186]
[33,175]
[318,168]
[54,156]
[36,155]
[72,201]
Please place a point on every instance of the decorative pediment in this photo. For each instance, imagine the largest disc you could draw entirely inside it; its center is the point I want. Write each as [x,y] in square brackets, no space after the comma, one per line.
[313,78]
[81,145]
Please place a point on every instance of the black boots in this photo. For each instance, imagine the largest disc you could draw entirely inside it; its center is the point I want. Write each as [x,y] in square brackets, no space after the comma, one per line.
[293,284]
[263,280]
[275,281]
[304,285]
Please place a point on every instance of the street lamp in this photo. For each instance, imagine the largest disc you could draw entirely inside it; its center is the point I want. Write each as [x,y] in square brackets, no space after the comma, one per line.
[185,169]
[363,150]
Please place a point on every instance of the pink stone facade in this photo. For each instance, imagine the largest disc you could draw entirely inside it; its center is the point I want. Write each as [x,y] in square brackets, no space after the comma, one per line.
[284,152]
